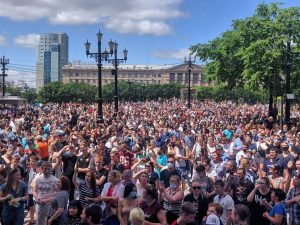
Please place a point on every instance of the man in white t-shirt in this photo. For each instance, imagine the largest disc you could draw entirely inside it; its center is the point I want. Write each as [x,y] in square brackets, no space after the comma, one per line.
[225,200]
[44,189]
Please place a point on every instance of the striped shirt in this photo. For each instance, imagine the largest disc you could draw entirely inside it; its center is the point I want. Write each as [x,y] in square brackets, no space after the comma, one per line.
[84,192]
[172,207]
[294,209]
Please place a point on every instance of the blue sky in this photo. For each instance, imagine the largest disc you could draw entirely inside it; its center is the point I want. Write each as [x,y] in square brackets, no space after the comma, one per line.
[154,32]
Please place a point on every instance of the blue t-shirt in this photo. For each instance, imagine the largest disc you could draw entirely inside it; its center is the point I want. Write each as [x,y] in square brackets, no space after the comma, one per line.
[279,210]
[162,160]
[20,192]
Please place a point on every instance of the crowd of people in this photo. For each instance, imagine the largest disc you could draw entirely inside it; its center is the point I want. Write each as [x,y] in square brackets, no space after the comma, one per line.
[154,162]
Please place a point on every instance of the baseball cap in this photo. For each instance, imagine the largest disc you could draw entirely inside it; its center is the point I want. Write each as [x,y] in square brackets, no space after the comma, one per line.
[212,219]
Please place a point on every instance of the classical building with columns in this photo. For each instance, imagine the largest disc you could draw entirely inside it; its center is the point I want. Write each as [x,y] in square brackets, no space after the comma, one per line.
[146,74]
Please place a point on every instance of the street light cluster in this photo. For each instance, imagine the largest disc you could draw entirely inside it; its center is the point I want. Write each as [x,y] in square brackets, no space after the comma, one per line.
[99,57]
[189,68]
[115,61]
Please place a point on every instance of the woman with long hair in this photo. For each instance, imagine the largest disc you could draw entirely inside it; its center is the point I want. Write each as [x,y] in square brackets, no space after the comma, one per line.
[59,203]
[154,213]
[128,202]
[88,190]
[14,194]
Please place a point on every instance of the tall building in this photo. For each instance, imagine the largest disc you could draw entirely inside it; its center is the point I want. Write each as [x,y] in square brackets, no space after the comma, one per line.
[52,55]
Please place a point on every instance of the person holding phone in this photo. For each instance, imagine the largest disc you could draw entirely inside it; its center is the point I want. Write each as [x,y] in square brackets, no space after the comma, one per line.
[259,200]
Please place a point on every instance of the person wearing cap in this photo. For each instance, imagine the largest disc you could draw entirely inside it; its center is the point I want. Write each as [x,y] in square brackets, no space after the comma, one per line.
[187,214]
[198,198]
[293,201]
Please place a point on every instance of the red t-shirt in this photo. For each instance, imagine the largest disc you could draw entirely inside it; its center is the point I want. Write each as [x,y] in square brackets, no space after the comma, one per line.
[109,192]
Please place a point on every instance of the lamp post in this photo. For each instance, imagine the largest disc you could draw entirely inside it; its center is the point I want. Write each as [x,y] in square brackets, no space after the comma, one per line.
[189,68]
[3,62]
[99,56]
[113,47]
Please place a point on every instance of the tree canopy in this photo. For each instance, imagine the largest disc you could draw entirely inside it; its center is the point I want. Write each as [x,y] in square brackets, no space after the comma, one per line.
[253,52]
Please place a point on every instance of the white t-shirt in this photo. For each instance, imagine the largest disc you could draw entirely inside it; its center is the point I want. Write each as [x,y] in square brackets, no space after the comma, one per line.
[227,203]
[45,187]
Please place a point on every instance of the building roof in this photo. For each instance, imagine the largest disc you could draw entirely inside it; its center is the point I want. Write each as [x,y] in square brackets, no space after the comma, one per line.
[81,65]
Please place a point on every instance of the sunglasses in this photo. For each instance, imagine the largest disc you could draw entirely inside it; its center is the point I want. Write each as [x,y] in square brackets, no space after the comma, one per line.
[261,183]
[170,162]
[196,187]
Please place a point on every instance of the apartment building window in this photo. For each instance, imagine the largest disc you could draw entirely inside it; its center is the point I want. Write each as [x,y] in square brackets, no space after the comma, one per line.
[172,77]
[186,80]
[76,74]
[195,78]
[179,78]
[159,75]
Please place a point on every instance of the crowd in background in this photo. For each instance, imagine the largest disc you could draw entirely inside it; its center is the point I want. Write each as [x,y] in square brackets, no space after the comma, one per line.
[151,163]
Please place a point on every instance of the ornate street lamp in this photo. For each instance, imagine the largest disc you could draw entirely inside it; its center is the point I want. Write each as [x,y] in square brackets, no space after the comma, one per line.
[189,68]
[113,48]
[99,56]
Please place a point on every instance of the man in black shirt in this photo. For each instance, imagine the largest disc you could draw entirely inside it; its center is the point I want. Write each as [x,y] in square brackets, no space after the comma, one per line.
[115,162]
[197,197]
[239,187]
[83,161]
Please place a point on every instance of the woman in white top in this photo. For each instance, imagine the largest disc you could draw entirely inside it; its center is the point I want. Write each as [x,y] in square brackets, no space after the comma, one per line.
[112,191]
[141,184]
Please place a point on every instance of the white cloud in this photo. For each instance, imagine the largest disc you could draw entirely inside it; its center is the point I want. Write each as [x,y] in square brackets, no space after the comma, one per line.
[18,75]
[124,16]
[2,40]
[172,54]
[27,40]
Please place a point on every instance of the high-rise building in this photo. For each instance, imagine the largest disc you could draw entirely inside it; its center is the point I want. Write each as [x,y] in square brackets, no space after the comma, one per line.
[52,55]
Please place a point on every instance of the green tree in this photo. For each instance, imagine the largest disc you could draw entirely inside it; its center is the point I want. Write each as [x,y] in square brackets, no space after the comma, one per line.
[73,92]
[253,51]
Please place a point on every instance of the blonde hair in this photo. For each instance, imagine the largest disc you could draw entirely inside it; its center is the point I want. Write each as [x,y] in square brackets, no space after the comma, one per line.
[137,216]
[116,174]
